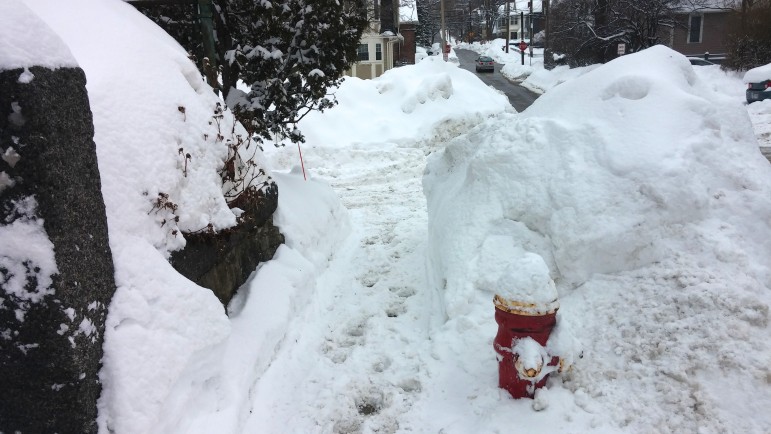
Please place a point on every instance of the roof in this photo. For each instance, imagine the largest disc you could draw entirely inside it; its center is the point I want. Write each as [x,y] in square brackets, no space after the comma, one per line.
[707,5]
[518,6]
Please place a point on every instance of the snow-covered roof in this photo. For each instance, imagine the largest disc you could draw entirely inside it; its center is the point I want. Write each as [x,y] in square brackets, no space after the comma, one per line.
[519,6]
[706,6]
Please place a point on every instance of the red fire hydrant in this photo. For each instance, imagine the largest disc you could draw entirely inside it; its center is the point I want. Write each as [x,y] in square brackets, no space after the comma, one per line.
[523,330]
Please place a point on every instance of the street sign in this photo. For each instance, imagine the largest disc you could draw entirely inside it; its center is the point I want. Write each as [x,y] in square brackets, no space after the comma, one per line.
[621,49]
[522,46]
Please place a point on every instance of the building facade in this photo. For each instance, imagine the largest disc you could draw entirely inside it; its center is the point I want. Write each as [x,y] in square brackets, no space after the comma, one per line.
[700,33]
[378,46]
[520,21]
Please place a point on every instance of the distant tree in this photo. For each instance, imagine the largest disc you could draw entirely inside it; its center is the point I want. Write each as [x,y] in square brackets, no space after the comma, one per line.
[749,39]
[589,31]
[428,18]
[459,20]
[287,52]
[485,13]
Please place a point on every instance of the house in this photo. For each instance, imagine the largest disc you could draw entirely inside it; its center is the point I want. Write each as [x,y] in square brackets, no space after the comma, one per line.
[520,21]
[377,48]
[700,32]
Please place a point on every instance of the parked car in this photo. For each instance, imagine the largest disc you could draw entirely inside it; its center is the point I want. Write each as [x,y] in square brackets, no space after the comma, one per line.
[485,63]
[697,61]
[758,83]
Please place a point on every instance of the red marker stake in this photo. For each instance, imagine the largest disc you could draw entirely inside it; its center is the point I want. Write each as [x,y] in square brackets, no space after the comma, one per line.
[301,161]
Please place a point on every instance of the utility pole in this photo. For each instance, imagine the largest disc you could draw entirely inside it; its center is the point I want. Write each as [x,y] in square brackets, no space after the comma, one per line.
[532,28]
[546,9]
[441,30]
[508,25]
[522,34]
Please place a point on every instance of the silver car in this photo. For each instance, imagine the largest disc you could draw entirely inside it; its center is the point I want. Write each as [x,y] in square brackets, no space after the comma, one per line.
[485,63]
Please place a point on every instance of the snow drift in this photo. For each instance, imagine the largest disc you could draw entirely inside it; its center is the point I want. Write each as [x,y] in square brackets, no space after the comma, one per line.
[159,153]
[404,105]
[654,227]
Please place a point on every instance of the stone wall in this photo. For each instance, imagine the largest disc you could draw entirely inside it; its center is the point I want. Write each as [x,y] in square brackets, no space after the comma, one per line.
[223,261]
[51,344]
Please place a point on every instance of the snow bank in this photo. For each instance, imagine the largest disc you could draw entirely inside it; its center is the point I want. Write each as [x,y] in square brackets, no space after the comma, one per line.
[307,208]
[644,193]
[158,149]
[275,297]
[404,105]
[540,80]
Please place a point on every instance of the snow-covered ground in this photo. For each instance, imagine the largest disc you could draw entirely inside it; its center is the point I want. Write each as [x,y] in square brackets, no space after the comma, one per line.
[640,215]
[638,183]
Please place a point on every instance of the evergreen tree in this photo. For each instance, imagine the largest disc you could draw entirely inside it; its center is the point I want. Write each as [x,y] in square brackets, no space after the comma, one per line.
[288,52]
[589,31]
[749,39]
[424,35]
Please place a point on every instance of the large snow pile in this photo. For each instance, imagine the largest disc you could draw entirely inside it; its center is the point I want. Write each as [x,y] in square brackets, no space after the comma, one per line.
[540,80]
[159,151]
[405,105]
[654,227]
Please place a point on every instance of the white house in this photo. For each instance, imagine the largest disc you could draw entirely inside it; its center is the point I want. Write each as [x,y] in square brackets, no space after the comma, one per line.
[377,45]
[517,10]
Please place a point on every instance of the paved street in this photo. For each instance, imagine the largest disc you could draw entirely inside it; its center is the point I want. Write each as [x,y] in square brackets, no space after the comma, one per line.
[766,151]
[519,97]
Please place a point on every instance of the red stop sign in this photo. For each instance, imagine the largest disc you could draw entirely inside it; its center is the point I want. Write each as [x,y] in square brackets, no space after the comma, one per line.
[522,46]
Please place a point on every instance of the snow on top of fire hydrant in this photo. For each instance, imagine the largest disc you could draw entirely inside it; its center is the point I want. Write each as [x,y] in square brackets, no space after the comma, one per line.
[526,280]
[530,354]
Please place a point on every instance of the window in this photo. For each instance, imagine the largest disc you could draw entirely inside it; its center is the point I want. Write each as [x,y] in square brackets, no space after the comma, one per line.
[363,52]
[378,51]
[376,9]
[694,28]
